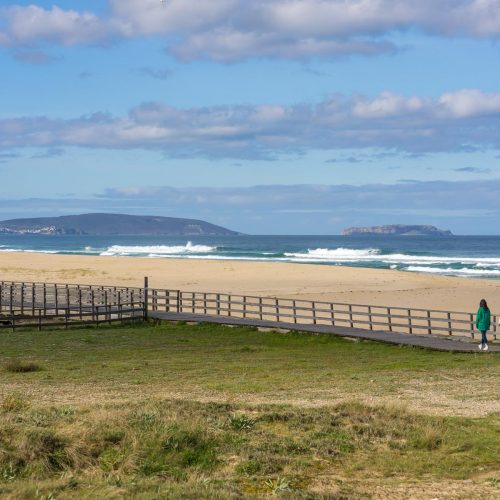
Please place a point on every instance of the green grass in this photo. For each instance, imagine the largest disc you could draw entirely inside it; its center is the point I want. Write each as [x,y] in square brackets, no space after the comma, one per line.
[182,411]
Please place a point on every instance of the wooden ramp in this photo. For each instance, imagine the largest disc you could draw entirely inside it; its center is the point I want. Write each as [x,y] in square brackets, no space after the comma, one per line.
[437,343]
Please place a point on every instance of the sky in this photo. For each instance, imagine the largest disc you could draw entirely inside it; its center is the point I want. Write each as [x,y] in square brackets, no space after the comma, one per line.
[265,116]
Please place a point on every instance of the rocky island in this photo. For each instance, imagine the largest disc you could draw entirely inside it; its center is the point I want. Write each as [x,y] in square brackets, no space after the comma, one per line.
[397,230]
[112,225]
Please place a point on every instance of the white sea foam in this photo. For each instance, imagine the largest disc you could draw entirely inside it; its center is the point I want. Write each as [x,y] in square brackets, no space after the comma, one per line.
[462,272]
[336,255]
[341,255]
[158,250]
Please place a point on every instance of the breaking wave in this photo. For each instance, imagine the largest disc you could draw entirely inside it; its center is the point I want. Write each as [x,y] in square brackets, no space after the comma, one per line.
[158,250]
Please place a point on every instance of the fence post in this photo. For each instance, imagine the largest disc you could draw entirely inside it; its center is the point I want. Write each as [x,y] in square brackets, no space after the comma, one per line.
[167,300]
[217,305]
[295,311]
[314,312]
[410,329]
[33,299]
[429,323]
[22,298]
[471,319]
[350,316]
[146,289]
[277,306]
[193,302]
[244,306]
[449,324]
[260,308]
[92,301]
[332,314]
[389,318]
[229,304]
[370,318]
[39,320]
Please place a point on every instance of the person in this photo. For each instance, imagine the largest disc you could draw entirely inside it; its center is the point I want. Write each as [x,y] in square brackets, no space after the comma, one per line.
[483,323]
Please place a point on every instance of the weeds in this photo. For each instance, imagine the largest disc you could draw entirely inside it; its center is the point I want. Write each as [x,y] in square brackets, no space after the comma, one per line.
[20,366]
[241,422]
[278,485]
[14,402]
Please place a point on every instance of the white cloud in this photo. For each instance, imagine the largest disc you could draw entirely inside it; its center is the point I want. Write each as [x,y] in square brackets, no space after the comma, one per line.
[232,30]
[30,24]
[456,121]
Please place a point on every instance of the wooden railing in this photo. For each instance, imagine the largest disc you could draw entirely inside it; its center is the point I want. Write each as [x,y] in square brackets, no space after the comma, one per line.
[367,317]
[54,304]
[51,304]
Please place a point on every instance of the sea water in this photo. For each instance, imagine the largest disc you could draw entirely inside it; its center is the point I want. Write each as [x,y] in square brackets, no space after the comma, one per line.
[473,256]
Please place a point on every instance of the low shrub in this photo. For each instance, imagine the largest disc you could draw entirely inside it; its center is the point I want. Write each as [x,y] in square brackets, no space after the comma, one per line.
[20,366]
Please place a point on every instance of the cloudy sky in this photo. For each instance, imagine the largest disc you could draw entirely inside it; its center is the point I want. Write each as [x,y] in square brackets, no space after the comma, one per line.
[267,116]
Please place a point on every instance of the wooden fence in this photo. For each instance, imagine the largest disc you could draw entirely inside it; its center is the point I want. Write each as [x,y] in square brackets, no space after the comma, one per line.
[366,317]
[53,304]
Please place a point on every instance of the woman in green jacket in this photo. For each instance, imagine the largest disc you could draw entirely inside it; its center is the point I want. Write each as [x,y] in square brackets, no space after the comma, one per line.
[483,323]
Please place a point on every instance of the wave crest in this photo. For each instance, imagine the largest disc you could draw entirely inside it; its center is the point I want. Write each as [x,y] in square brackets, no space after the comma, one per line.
[158,250]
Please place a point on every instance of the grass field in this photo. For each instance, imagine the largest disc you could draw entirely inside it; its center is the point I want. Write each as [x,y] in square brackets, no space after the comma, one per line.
[204,411]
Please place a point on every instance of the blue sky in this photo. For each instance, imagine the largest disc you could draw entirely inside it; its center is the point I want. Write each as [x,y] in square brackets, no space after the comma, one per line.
[242,112]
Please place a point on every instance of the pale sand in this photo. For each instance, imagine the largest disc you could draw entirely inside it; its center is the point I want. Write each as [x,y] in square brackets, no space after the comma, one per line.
[305,281]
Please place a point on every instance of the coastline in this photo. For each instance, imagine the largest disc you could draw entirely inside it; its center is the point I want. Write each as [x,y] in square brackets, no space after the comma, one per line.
[288,280]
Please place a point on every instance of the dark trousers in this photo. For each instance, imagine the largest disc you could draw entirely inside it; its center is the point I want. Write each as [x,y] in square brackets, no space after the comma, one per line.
[484,340]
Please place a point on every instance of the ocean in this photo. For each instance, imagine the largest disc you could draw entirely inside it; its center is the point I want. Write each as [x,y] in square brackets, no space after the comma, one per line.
[472,256]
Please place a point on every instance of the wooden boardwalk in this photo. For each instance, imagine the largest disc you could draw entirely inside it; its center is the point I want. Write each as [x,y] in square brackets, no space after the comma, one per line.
[437,343]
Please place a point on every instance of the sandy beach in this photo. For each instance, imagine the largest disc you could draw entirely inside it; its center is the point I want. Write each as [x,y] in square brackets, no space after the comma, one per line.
[305,281]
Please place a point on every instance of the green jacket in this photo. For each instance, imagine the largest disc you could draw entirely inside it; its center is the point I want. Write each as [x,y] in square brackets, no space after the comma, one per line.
[483,319]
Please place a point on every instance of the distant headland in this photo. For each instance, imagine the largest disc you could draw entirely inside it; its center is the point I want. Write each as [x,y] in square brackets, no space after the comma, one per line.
[397,230]
[113,224]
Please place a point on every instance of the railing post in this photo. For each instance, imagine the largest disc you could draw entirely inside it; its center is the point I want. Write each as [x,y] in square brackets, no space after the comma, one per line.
[80,301]
[146,290]
[92,302]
